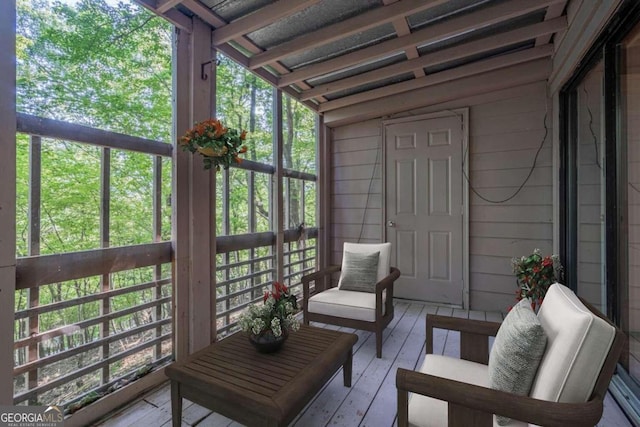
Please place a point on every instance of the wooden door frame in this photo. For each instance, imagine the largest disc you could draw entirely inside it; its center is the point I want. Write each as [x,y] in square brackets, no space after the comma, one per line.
[463,113]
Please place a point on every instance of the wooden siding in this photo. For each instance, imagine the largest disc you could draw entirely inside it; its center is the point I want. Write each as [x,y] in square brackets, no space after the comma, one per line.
[356,170]
[505,130]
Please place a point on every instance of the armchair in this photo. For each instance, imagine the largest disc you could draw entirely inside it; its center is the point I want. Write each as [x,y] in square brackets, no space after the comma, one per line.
[359,310]
[582,350]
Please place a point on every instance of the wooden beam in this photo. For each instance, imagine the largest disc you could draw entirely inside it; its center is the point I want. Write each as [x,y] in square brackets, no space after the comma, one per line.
[278,196]
[163,6]
[553,11]
[180,194]
[204,12]
[179,19]
[443,76]
[401,26]
[215,21]
[258,19]
[486,83]
[432,34]
[47,269]
[440,57]
[357,24]
[49,128]
[7,194]
[201,189]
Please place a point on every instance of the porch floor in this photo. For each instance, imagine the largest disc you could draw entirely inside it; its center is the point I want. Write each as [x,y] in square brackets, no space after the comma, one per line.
[371,401]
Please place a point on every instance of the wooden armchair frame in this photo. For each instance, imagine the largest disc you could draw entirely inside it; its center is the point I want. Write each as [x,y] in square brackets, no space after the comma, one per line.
[322,281]
[472,405]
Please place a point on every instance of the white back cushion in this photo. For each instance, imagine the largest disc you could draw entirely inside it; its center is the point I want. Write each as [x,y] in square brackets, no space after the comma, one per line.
[368,248]
[578,342]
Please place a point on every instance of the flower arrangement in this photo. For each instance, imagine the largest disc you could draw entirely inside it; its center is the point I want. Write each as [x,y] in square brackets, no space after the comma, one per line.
[219,145]
[534,275]
[275,317]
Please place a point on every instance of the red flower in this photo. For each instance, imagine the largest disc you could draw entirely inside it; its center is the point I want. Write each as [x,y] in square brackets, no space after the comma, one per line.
[266,296]
[547,261]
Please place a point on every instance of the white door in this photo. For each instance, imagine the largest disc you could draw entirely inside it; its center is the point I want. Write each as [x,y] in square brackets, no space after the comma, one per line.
[424,207]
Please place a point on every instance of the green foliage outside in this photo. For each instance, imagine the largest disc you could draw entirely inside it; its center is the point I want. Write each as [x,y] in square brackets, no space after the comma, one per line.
[104,67]
[108,67]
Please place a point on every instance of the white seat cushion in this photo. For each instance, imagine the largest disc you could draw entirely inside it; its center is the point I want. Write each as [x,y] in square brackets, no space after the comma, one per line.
[384,259]
[347,304]
[578,342]
[428,412]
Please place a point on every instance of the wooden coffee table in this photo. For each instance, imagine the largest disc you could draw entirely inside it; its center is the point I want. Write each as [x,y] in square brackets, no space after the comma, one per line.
[230,377]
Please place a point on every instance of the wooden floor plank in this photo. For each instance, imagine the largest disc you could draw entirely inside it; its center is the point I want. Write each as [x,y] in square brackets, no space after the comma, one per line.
[445,311]
[371,401]
[382,410]
[363,391]
[322,409]
[460,313]
[477,315]
[493,316]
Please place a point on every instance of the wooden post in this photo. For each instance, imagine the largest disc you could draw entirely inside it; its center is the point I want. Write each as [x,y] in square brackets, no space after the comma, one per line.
[157,237]
[105,239]
[201,188]
[323,195]
[278,197]
[35,185]
[7,194]
[180,195]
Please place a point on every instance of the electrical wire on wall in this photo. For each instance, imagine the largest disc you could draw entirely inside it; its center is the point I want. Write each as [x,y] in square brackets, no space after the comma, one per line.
[366,205]
[533,165]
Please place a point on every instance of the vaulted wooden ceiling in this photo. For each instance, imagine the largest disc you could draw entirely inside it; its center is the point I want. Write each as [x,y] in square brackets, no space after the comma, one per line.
[336,53]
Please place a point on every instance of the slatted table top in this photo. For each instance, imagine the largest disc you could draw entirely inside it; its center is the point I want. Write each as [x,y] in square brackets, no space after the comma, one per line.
[276,385]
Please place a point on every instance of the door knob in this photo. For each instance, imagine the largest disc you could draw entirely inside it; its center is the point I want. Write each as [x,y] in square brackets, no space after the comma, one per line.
[391,223]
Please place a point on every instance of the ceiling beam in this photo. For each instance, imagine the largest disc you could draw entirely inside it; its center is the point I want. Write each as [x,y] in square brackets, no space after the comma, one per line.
[402,29]
[165,5]
[441,56]
[178,19]
[553,11]
[457,90]
[258,19]
[208,16]
[443,76]
[359,23]
[430,34]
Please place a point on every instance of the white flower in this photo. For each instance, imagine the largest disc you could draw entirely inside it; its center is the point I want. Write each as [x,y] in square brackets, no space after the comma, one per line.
[275,327]
[257,325]
[537,251]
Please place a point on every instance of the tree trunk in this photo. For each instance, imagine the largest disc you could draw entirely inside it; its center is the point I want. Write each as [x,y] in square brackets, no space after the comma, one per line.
[294,184]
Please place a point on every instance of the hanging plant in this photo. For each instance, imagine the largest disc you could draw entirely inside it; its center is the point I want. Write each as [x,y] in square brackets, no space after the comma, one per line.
[219,145]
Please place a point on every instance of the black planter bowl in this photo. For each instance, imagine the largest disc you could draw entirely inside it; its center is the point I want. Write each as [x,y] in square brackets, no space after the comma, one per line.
[267,342]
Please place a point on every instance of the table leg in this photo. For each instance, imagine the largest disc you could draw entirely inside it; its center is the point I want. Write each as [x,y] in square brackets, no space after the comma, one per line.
[176,404]
[346,368]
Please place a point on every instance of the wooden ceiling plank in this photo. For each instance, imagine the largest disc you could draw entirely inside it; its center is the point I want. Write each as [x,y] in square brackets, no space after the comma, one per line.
[553,11]
[178,19]
[258,19]
[443,76]
[165,5]
[431,34]
[339,30]
[442,56]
